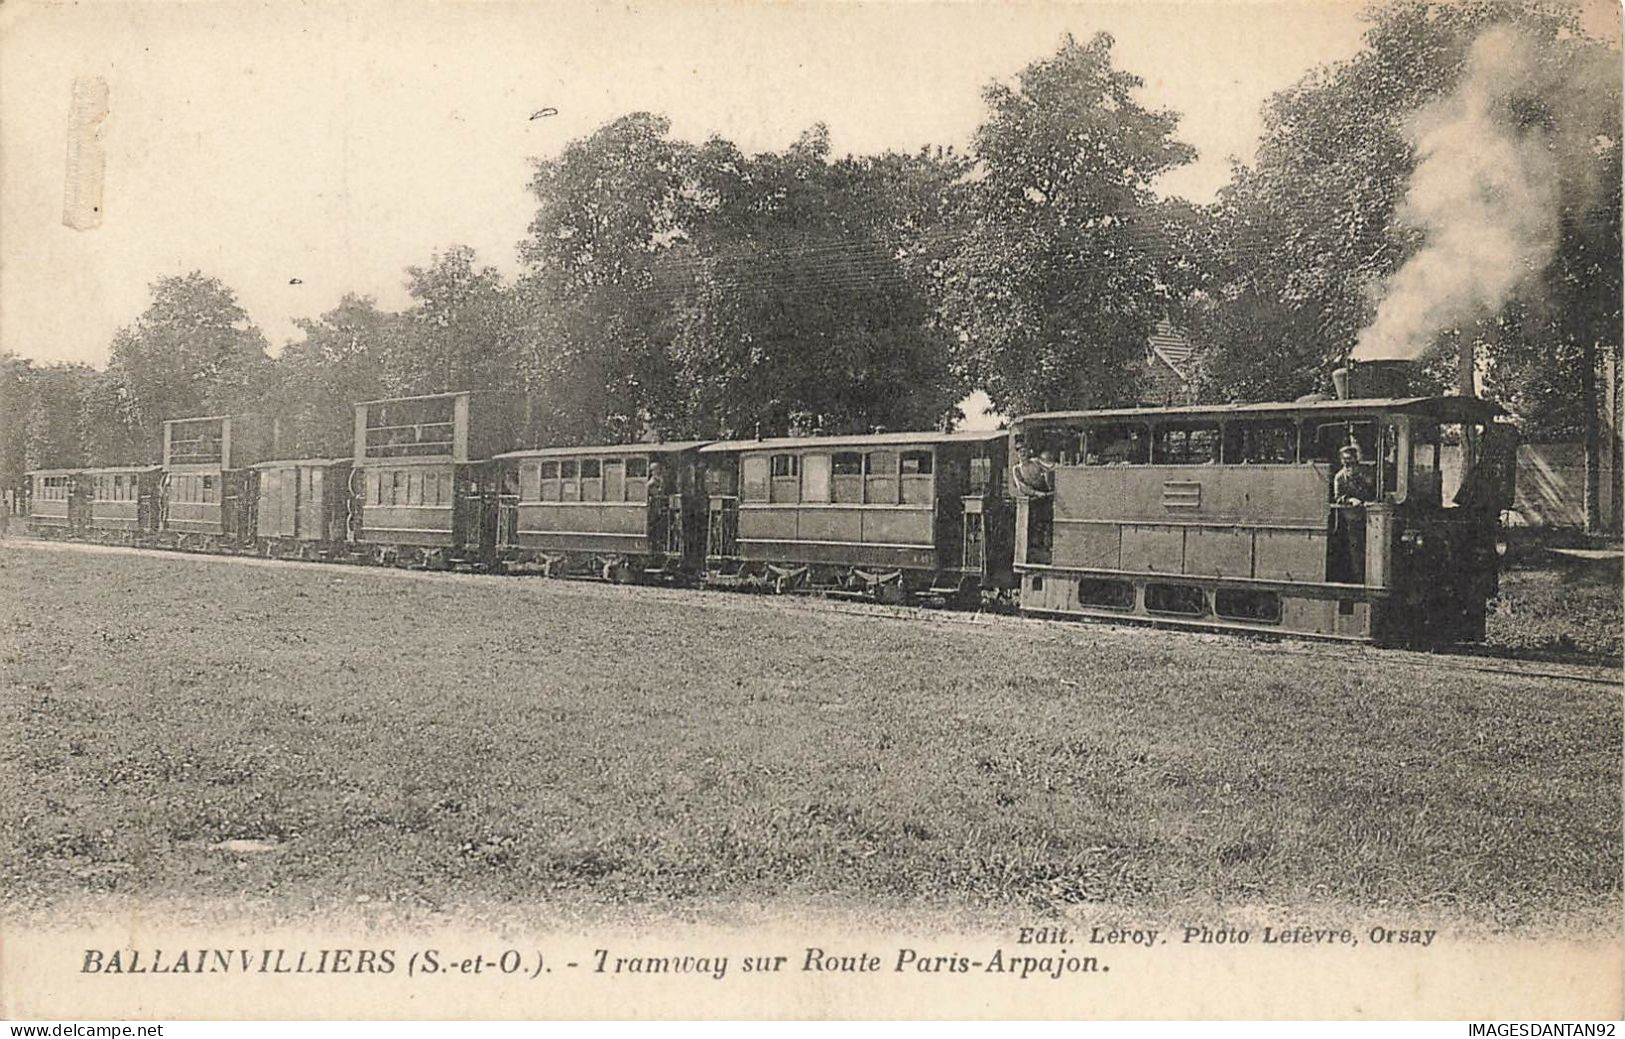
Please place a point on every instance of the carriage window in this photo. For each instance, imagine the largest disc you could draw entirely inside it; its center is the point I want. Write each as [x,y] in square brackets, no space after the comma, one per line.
[549,490]
[614,479]
[375,487]
[592,483]
[846,477]
[815,478]
[1122,444]
[786,470]
[721,478]
[754,478]
[530,482]
[1196,445]
[211,493]
[637,479]
[916,471]
[414,488]
[397,488]
[880,478]
[569,484]
[1260,443]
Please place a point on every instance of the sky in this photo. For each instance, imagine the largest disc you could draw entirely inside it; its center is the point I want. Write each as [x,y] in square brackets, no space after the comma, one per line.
[301,151]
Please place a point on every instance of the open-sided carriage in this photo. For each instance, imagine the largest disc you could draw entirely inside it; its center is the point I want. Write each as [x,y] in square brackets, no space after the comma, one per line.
[423,478]
[206,502]
[890,515]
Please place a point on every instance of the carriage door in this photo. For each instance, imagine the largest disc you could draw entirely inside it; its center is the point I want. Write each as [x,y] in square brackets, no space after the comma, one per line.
[722,516]
[474,523]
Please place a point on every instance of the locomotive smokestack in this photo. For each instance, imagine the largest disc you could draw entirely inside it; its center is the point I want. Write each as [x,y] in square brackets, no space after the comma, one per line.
[1363,380]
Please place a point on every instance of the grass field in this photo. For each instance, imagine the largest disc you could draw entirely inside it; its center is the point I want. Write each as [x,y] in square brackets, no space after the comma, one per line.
[436,741]
[1552,600]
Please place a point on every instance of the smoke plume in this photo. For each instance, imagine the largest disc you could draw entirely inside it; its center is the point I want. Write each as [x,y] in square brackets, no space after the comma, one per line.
[1498,161]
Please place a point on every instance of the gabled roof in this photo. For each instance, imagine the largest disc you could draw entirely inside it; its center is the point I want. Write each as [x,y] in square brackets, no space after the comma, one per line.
[1169,344]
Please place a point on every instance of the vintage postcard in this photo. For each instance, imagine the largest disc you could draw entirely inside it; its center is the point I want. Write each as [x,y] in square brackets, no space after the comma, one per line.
[810,510]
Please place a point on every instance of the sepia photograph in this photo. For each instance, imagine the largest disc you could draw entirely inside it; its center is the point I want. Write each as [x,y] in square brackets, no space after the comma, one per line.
[827,509]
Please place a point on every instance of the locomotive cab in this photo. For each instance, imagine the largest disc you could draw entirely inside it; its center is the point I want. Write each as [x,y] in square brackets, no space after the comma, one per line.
[1238,516]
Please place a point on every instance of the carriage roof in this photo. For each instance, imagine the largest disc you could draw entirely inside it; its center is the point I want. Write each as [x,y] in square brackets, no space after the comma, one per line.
[311,463]
[592,450]
[856,440]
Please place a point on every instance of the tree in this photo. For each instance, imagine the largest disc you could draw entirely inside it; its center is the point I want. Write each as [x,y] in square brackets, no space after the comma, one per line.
[16,375]
[193,351]
[1304,243]
[55,435]
[337,362]
[1318,223]
[676,289]
[1056,285]
[807,292]
[456,335]
[594,328]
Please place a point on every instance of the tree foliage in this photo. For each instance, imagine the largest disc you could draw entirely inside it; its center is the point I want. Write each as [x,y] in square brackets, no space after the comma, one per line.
[1057,283]
[193,351]
[1292,258]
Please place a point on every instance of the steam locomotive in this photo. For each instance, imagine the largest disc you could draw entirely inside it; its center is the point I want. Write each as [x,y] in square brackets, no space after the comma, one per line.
[1202,516]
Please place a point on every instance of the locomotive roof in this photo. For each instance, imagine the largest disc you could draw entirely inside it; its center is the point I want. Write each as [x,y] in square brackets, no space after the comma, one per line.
[589,450]
[857,440]
[1443,407]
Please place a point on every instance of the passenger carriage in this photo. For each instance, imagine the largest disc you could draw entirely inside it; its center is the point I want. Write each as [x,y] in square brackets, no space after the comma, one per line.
[626,513]
[424,479]
[57,502]
[1224,517]
[302,507]
[124,502]
[893,515]
[205,500]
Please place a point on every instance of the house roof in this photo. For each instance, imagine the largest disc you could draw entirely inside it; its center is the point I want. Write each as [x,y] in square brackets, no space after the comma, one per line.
[1172,347]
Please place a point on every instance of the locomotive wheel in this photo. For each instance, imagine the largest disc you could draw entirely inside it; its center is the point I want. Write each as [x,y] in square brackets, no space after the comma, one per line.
[892,593]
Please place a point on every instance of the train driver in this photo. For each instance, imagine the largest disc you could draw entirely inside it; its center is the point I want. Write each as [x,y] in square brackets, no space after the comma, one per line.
[1352,484]
[1035,477]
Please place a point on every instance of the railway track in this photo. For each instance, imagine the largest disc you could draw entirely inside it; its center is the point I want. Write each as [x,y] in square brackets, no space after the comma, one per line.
[1487,660]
